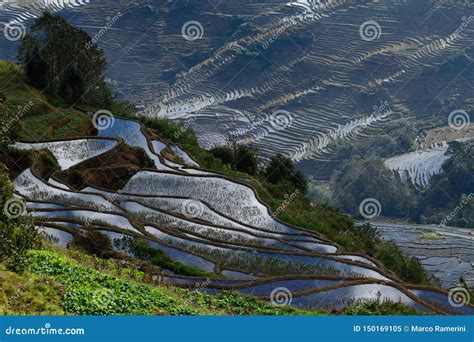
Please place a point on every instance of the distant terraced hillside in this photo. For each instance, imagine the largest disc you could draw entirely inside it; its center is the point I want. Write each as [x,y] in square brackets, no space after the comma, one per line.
[298,77]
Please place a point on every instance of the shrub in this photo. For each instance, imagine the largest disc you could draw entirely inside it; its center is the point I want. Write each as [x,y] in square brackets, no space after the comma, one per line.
[17,234]
[281,169]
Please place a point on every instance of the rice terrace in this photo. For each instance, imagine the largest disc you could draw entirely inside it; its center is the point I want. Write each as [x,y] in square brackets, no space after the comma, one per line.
[237,158]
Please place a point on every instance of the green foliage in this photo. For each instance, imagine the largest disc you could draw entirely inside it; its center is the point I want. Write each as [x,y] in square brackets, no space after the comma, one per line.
[396,137]
[86,291]
[93,242]
[51,61]
[241,158]
[358,179]
[378,308]
[27,294]
[281,169]
[8,133]
[89,292]
[55,124]
[44,164]
[224,153]
[17,235]
[449,198]
[237,304]
[408,269]
[141,250]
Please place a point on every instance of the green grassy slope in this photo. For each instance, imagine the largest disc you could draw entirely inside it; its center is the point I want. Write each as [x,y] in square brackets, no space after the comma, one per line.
[57,284]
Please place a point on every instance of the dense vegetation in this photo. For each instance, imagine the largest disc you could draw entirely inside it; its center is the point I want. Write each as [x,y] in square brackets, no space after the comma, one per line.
[359,179]
[69,282]
[240,157]
[17,235]
[447,200]
[61,60]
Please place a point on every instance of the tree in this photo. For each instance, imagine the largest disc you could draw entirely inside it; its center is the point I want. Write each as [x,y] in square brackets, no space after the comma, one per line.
[280,169]
[452,190]
[246,160]
[17,235]
[62,60]
[359,179]
[241,158]
[8,127]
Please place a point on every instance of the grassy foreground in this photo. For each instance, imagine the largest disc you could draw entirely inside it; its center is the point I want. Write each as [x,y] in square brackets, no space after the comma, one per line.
[57,284]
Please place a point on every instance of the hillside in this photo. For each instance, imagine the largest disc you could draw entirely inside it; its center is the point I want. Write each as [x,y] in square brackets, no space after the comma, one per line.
[321,82]
[185,226]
